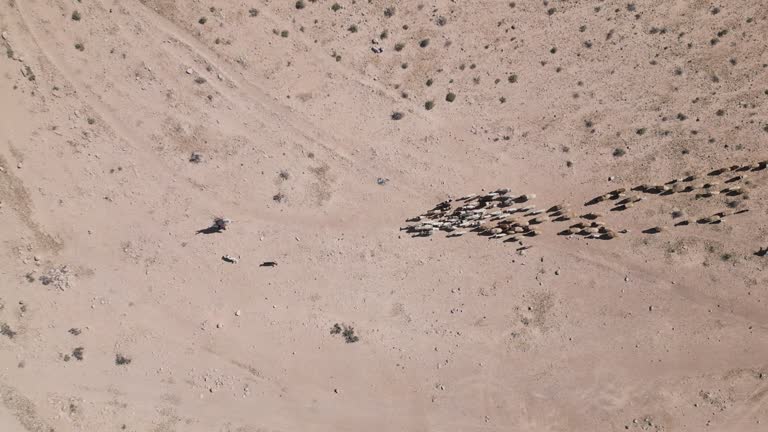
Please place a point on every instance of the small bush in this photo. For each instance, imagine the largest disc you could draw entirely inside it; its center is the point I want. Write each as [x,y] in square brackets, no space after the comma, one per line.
[399,46]
[450,97]
[397,115]
[76,16]
[512,78]
[122,360]
[335,7]
[200,80]
[79,46]
[284,33]
[253,12]
[6,330]
[389,12]
[429,82]
[424,43]
[78,353]
[640,131]
[300,4]
[203,20]
[349,335]
[352,28]
[619,152]
[428,105]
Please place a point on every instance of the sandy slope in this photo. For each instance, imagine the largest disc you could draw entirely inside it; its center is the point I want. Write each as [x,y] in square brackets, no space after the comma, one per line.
[99,200]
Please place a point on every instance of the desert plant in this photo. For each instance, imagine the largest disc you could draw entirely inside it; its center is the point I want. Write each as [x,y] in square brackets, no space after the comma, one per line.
[349,334]
[428,105]
[619,152]
[335,7]
[122,360]
[389,12]
[352,28]
[512,78]
[399,46]
[202,20]
[397,115]
[429,82]
[450,97]
[284,33]
[78,353]
[300,4]
[253,12]
[76,16]
[79,46]
[424,43]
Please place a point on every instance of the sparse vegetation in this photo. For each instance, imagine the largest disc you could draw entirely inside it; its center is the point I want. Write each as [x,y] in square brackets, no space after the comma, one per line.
[399,46]
[76,16]
[79,46]
[389,12]
[619,152]
[202,20]
[122,360]
[345,330]
[424,43]
[6,330]
[397,115]
[428,105]
[200,80]
[284,33]
[253,12]
[349,335]
[278,197]
[429,82]
[640,131]
[335,7]
[352,28]
[77,353]
[284,175]
[512,78]
[450,97]
[300,4]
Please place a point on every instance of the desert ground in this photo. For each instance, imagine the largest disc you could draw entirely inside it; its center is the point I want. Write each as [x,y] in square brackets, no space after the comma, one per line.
[608,275]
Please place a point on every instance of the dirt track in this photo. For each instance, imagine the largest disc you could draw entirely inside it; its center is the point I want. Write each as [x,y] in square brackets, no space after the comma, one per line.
[101,110]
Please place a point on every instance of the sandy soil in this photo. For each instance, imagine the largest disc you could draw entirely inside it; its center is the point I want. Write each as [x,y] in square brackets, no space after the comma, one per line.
[117,314]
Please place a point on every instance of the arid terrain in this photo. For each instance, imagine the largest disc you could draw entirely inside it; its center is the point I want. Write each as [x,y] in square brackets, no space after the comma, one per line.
[609,275]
